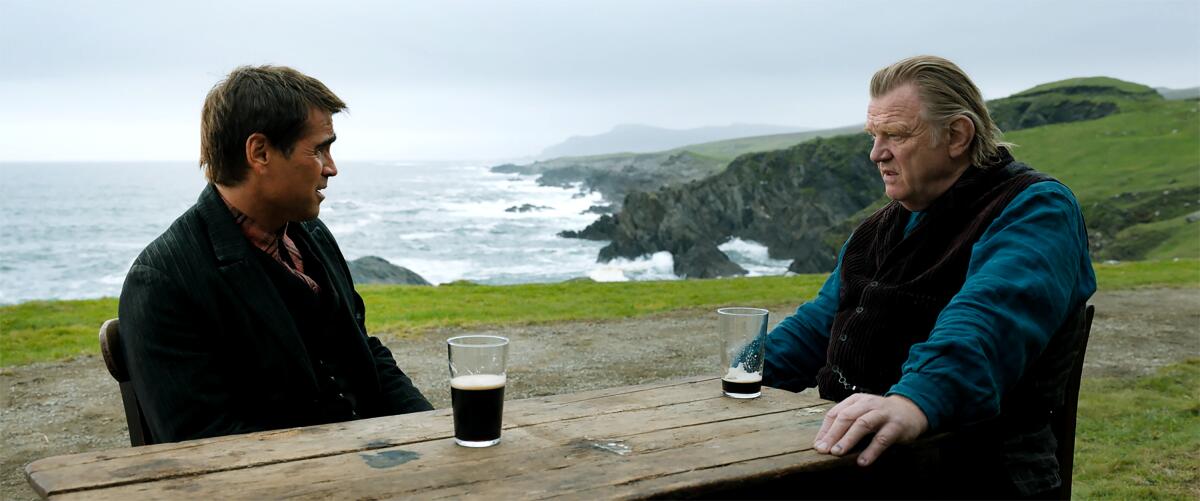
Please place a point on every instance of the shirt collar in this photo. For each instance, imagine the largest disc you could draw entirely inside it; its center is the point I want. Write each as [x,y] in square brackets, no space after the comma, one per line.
[264,239]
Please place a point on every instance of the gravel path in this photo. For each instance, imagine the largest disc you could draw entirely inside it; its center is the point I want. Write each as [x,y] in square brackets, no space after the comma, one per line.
[57,408]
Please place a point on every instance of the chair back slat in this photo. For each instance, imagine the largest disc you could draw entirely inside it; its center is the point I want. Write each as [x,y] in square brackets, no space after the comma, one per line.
[1063,420]
[114,359]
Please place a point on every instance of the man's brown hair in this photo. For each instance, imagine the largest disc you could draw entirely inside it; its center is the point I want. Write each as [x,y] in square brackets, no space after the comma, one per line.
[273,100]
[946,94]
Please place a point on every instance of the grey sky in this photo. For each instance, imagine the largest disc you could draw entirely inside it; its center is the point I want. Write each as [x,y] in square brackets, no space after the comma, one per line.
[124,79]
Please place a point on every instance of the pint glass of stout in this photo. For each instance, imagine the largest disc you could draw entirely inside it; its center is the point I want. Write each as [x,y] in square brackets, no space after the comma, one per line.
[743,333]
[477,376]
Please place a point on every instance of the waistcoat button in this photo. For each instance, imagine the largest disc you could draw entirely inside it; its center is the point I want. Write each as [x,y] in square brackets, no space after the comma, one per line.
[858,310]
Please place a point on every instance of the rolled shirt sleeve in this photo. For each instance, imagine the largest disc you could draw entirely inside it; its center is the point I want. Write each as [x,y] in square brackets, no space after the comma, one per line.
[796,348]
[1027,272]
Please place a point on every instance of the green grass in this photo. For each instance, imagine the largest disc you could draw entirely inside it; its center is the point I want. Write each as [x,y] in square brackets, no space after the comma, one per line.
[1155,148]
[1139,438]
[406,309]
[1164,239]
[40,331]
[1142,274]
[1183,239]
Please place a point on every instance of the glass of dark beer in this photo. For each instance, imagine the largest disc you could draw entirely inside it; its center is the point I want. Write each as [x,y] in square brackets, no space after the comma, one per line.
[743,333]
[477,376]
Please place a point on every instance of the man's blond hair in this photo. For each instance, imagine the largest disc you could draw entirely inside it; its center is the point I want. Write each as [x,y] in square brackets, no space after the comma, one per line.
[946,94]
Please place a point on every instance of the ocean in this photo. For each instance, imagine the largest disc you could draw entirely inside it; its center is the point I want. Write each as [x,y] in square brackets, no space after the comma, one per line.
[71,230]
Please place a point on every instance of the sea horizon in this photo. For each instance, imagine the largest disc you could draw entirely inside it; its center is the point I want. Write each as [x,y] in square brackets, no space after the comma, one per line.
[73,229]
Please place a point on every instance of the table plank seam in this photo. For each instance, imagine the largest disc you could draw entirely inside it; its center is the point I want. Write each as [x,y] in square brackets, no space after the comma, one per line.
[700,379]
[175,476]
[699,485]
[175,446]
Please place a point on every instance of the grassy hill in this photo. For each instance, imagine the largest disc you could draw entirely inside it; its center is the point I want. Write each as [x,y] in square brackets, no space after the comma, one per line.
[1136,173]
[723,150]
[732,148]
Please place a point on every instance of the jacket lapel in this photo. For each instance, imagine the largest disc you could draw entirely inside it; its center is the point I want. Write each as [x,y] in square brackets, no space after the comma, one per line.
[249,281]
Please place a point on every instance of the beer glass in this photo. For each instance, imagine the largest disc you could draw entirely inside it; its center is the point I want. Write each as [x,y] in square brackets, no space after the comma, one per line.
[743,333]
[477,377]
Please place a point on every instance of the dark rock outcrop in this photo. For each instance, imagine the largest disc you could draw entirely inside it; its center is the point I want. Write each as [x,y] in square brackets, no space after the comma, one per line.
[564,177]
[511,169]
[527,208]
[1072,101]
[377,270]
[782,199]
[601,229]
[614,176]
[1026,114]
[705,261]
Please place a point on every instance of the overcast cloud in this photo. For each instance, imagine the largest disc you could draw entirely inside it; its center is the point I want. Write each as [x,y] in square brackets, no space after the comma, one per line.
[124,79]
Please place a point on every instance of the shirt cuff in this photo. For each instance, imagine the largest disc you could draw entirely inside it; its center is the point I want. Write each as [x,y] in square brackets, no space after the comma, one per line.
[931,397]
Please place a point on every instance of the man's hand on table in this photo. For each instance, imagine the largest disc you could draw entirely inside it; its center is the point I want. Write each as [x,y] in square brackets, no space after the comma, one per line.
[893,419]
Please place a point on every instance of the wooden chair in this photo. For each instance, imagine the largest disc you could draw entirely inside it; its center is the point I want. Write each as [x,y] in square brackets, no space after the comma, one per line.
[1062,420]
[114,359]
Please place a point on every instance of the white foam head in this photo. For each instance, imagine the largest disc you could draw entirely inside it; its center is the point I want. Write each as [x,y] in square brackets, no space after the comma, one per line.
[478,382]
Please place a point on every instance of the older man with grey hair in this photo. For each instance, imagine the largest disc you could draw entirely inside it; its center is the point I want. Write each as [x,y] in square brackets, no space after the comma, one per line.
[941,299]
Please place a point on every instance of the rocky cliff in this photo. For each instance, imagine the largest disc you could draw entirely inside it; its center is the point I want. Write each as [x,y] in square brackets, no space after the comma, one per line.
[803,201]
[1067,101]
[615,176]
[783,199]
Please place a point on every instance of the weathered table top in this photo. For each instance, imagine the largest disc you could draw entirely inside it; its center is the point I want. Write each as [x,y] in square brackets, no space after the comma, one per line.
[655,440]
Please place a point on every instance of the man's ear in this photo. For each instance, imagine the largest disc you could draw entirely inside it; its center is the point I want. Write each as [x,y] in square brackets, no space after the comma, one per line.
[962,132]
[258,152]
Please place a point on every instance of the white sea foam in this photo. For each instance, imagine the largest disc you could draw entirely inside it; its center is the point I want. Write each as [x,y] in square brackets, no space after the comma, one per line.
[428,235]
[436,271]
[347,225]
[657,266]
[754,257]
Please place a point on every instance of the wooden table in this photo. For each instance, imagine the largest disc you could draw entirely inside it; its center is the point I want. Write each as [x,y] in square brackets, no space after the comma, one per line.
[672,439]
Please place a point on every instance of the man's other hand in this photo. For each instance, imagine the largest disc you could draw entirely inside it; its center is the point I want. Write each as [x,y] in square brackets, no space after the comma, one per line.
[893,419]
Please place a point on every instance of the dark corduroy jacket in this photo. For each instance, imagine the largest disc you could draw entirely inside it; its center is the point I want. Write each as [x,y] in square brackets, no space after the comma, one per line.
[213,350]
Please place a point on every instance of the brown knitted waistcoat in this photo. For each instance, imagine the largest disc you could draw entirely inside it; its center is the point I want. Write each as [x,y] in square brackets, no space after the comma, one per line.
[894,286]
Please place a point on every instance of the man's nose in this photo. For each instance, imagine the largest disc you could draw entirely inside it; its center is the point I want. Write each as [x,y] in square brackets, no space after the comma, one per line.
[879,152]
[330,168]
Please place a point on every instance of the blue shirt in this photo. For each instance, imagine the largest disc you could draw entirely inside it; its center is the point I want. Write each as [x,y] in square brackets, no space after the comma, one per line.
[1027,273]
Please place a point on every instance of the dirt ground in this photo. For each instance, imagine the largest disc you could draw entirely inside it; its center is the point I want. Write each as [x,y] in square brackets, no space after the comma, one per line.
[58,408]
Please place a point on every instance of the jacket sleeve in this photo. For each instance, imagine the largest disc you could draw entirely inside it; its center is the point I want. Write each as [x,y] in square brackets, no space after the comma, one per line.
[400,395]
[179,378]
[796,348]
[1027,273]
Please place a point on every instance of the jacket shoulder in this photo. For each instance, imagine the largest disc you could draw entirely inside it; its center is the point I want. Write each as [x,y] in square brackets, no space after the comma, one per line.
[185,240]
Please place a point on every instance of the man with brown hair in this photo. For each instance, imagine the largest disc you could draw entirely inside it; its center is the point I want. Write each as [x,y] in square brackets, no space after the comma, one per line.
[243,316]
[942,299]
